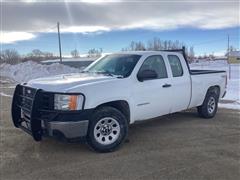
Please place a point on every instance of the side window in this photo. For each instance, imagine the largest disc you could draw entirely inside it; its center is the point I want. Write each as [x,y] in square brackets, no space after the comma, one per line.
[155,63]
[176,65]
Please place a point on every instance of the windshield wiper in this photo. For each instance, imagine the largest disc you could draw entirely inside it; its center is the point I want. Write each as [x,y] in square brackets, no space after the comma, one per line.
[105,73]
[110,74]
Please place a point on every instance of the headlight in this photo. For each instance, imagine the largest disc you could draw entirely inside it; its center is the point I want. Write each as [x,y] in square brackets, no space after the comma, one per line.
[68,102]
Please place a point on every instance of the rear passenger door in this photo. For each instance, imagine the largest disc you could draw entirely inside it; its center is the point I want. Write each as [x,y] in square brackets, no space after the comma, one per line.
[181,84]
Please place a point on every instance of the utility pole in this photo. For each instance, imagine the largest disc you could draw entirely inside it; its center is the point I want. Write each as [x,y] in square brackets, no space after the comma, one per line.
[229,64]
[59,42]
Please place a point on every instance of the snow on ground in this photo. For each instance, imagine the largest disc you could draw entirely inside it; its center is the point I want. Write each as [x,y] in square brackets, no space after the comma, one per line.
[70,59]
[232,98]
[26,71]
[233,105]
[3,94]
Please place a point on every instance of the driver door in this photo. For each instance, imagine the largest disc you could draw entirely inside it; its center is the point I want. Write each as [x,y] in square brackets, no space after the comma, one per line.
[152,97]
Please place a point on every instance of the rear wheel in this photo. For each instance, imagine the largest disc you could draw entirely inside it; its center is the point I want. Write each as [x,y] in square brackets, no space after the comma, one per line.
[107,129]
[210,105]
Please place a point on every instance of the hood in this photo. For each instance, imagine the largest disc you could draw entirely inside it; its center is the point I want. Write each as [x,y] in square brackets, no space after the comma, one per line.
[61,83]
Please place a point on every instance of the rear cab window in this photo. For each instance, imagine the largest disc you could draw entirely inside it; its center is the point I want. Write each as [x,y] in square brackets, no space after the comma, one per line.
[175,65]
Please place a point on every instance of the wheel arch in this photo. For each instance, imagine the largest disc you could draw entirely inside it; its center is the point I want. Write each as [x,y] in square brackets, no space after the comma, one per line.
[121,105]
[215,89]
[203,110]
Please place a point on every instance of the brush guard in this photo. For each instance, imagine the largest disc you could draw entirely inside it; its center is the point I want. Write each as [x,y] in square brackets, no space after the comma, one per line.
[25,111]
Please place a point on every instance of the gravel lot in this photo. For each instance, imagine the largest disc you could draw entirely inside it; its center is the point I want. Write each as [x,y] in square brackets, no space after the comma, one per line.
[177,146]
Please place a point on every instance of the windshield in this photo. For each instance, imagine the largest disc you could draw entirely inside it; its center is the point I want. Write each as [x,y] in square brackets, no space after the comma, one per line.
[115,64]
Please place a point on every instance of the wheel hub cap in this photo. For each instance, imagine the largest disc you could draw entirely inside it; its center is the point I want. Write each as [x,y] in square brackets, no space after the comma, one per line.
[211,105]
[106,131]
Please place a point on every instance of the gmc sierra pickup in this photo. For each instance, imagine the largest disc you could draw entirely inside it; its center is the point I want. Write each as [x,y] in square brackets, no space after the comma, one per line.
[99,104]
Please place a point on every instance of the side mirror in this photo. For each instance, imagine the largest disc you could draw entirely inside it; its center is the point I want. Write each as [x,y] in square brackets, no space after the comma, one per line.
[146,75]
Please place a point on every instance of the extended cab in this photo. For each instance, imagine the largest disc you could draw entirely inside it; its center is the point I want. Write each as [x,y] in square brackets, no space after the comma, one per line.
[114,91]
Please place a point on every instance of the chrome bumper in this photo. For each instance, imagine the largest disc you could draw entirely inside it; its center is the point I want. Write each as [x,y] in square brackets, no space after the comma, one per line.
[70,129]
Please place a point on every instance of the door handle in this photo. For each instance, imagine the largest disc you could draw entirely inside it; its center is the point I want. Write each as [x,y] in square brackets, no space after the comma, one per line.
[166,85]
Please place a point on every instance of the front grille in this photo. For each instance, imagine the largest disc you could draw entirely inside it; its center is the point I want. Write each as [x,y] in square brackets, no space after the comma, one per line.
[47,101]
[26,99]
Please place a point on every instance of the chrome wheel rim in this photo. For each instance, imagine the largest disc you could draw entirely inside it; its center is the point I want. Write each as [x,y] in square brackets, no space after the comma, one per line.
[106,130]
[211,105]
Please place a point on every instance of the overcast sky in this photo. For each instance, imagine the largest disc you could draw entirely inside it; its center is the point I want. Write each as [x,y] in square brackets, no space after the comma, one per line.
[26,20]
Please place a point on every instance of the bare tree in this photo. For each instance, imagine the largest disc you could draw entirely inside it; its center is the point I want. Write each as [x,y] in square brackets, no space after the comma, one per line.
[139,46]
[191,53]
[135,46]
[132,46]
[232,48]
[37,55]
[75,53]
[95,52]
[10,56]
[48,55]
[157,44]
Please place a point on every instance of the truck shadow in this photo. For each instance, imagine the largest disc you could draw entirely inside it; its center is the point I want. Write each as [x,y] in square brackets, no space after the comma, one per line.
[146,127]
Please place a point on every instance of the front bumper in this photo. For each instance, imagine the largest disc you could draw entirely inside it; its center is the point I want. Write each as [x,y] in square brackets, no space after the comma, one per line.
[66,129]
[32,113]
[69,130]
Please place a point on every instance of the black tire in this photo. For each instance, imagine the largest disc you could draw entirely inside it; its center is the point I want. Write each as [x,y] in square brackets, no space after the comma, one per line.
[107,114]
[206,110]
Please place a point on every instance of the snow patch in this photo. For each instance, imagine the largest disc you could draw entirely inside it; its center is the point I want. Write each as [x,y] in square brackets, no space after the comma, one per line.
[234,105]
[3,94]
[29,70]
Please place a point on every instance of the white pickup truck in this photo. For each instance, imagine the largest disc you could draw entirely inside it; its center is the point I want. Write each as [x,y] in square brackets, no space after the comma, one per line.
[99,104]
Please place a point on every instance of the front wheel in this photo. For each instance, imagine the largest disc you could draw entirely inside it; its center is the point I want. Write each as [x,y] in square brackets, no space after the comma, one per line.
[107,129]
[210,105]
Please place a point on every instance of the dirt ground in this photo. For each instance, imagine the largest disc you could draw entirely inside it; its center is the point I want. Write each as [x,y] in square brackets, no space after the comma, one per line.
[177,146]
